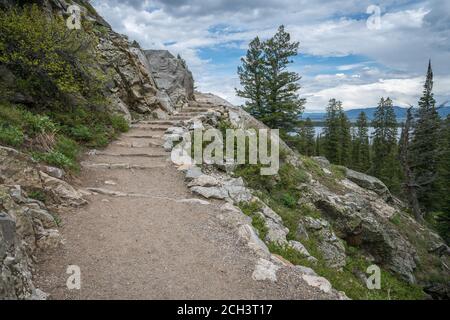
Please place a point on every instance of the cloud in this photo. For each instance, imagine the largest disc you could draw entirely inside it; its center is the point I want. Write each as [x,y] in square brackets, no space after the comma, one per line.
[411,32]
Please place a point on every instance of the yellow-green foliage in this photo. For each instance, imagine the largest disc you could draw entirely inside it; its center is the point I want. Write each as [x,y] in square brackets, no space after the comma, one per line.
[48,59]
[56,67]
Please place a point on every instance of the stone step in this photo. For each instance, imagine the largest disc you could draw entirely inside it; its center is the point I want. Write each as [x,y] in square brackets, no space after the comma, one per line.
[143,136]
[195,110]
[121,166]
[114,193]
[181,118]
[187,112]
[136,145]
[138,155]
[152,127]
[159,122]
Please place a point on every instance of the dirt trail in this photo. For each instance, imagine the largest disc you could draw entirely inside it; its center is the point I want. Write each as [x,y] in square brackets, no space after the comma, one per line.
[154,247]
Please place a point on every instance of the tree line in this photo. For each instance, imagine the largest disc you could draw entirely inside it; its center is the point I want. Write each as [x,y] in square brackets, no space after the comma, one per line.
[415,166]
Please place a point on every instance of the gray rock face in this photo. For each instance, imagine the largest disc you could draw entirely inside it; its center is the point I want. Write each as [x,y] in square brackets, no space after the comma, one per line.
[368,182]
[360,217]
[172,76]
[331,247]
[25,227]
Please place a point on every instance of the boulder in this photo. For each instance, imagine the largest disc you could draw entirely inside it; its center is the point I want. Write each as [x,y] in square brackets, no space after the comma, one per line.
[248,234]
[368,182]
[265,270]
[212,192]
[171,76]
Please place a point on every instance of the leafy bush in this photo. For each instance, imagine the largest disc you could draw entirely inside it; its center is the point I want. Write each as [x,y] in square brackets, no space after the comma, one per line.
[11,136]
[119,123]
[57,159]
[49,60]
[81,133]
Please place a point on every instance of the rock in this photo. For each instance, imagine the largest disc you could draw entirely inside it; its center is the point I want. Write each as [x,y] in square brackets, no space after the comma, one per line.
[276,231]
[213,192]
[297,246]
[194,201]
[306,270]
[248,234]
[204,181]
[171,75]
[317,282]
[265,270]
[25,226]
[322,161]
[228,207]
[44,217]
[331,247]
[193,173]
[61,190]
[53,172]
[238,194]
[368,182]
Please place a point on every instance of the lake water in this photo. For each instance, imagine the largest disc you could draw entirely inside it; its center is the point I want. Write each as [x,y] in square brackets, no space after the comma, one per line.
[319,130]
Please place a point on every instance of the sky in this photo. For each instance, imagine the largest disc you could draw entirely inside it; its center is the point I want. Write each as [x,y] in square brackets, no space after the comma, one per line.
[356,51]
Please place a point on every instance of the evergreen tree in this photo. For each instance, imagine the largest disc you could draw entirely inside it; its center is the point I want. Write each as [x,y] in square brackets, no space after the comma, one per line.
[425,145]
[306,144]
[270,88]
[385,164]
[361,144]
[345,140]
[410,186]
[442,184]
[319,145]
[332,131]
[251,75]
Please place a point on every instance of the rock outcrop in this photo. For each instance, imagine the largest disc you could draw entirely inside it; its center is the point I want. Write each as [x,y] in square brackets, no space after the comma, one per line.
[27,225]
[172,76]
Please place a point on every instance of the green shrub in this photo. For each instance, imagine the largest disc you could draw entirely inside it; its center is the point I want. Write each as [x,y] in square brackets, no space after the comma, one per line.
[57,159]
[81,133]
[37,124]
[11,136]
[119,123]
[67,147]
[37,195]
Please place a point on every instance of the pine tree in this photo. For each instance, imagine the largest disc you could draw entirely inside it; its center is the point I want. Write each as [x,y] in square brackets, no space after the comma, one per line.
[410,187]
[361,145]
[442,184]
[345,140]
[425,145]
[251,75]
[385,165]
[270,88]
[332,131]
[306,144]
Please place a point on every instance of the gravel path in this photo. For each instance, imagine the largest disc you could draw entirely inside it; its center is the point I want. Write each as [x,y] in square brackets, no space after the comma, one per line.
[154,247]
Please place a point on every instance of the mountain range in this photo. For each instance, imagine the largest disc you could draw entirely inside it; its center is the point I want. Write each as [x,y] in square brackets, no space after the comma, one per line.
[352,114]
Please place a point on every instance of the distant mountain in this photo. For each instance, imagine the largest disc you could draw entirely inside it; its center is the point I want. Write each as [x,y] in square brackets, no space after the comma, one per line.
[352,114]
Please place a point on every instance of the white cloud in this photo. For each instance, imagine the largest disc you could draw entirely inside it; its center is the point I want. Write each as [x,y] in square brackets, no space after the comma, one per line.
[411,32]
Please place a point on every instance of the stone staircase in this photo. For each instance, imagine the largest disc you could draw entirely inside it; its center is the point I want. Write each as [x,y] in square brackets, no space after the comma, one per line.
[141,147]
